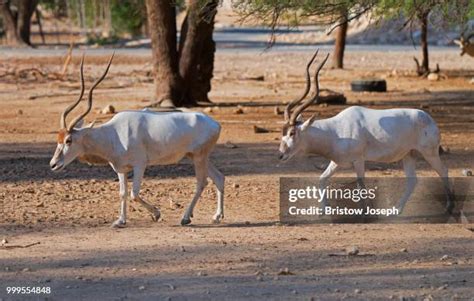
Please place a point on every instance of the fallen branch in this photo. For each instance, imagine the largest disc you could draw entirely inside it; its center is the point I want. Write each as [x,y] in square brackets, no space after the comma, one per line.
[351,255]
[8,247]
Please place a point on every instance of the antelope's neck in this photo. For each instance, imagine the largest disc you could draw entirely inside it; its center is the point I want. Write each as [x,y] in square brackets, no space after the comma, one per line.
[97,144]
[318,139]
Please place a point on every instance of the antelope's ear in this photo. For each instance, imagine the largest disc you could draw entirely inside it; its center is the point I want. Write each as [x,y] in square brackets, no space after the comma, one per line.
[79,124]
[308,122]
[457,42]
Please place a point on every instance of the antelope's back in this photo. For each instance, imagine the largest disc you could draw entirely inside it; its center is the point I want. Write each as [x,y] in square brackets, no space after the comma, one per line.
[175,133]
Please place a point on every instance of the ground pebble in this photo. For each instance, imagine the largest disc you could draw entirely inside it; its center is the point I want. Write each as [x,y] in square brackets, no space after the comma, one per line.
[433,76]
[445,257]
[467,172]
[354,250]
[141,287]
[108,109]
[357,291]
[403,250]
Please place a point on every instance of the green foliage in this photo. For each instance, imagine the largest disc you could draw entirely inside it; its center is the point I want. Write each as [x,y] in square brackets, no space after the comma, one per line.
[128,16]
[445,12]
[292,12]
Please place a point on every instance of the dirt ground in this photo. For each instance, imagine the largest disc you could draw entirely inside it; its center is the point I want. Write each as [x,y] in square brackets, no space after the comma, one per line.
[69,213]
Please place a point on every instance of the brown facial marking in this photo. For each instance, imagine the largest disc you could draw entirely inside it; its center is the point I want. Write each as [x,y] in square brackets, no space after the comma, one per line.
[285,129]
[62,135]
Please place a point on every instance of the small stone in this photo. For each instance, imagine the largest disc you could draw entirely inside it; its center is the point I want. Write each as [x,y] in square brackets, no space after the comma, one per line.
[277,111]
[238,111]
[201,274]
[424,106]
[40,205]
[444,258]
[403,250]
[174,205]
[433,76]
[259,130]
[259,278]
[108,109]
[235,185]
[444,150]
[4,241]
[20,112]
[285,272]
[357,291]
[141,287]
[351,251]
[208,110]
[229,144]
[294,292]
[466,172]
[26,270]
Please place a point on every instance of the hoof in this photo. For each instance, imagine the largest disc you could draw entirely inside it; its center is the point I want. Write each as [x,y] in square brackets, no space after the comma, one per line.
[185,221]
[156,215]
[216,219]
[118,224]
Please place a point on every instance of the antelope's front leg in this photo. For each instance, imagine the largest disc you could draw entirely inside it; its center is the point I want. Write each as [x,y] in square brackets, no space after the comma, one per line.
[122,220]
[138,173]
[323,180]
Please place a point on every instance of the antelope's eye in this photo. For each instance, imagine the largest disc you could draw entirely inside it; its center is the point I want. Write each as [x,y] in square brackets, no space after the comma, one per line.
[68,140]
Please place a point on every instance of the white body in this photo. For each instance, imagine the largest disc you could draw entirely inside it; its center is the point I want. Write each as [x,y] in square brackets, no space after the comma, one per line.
[146,137]
[131,140]
[359,134]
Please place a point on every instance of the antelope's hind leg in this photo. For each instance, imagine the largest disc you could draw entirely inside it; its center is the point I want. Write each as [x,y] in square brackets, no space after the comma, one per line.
[138,173]
[435,162]
[219,180]
[409,166]
[122,220]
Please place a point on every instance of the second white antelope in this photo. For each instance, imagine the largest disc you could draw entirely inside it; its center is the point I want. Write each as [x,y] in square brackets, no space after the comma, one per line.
[131,140]
[359,134]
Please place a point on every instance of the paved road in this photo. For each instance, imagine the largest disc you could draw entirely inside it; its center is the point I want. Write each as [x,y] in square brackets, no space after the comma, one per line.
[228,40]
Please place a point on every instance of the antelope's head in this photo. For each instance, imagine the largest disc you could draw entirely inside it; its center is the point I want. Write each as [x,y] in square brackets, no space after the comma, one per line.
[70,138]
[293,140]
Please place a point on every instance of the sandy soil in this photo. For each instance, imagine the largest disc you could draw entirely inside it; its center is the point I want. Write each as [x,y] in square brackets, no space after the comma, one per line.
[69,213]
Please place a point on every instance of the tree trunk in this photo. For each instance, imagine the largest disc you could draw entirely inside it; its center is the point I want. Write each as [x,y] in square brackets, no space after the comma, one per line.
[425,65]
[340,45]
[107,26]
[162,24]
[9,23]
[196,51]
[26,8]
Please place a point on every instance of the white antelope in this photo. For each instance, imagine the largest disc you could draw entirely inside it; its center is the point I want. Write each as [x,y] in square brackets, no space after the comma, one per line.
[465,45]
[131,140]
[359,134]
